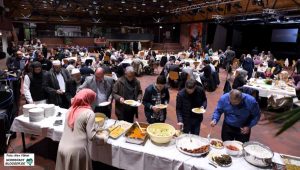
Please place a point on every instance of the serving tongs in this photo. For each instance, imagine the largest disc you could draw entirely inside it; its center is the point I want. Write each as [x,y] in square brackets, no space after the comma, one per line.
[140,127]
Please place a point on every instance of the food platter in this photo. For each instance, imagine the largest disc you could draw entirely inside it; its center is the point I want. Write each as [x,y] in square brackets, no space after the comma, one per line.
[199,110]
[132,103]
[291,162]
[134,134]
[216,143]
[219,159]
[161,106]
[118,129]
[192,145]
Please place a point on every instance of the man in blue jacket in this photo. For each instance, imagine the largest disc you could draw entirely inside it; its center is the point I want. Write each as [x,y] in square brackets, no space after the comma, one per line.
[192,96]
[156,94]
[241,113]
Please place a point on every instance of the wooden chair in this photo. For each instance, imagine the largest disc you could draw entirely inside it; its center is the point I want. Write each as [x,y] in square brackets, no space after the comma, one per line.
[196,63]
[173,75]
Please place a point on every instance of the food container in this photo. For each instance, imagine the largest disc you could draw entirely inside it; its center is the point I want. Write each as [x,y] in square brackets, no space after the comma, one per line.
[161,132]
[192,145]
[26,108]
[100,119]
[135,136]
[236,144]
[257,154]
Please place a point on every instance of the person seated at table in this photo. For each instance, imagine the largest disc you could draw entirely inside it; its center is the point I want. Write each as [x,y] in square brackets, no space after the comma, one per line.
[296,67]
[174,67]
[102,86]
[32,84]
[55,85]
[79,128]
[241,113]
[192,96]
[73,84]
[156,94]
[189,70]
[277,68]
[268,73]
[248,65]
[240,78]
[296,84]
[127,87]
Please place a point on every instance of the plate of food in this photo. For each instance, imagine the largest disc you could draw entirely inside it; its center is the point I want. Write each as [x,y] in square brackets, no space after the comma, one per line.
[199,110]
[192,145]
[291,162]
[132,103]
[118,129]
[161,106]
[219,159]
[216,143]
[135,135]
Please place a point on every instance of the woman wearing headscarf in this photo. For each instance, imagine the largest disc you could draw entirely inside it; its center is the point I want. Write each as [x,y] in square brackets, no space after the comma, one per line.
[79,128]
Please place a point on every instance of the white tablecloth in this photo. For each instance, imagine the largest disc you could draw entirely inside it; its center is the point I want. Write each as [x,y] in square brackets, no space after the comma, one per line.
[267,90]
[124,155]
[129,61]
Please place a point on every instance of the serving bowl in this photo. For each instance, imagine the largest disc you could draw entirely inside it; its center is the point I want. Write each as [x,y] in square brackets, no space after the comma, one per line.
[161,132]
[236,144]
[258,154]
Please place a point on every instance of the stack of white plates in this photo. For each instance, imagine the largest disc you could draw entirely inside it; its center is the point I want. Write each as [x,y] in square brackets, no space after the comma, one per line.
[26,108]
[36,114]
[49,109]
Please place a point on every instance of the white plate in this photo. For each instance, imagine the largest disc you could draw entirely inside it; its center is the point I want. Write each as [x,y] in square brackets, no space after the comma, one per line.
[183,141]
[215,146]
[104,104]
[211,155]
[132,103]
[194,110]
[162,106]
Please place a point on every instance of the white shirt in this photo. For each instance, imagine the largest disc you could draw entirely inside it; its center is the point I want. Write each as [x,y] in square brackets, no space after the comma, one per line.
[26,86]
[61,82]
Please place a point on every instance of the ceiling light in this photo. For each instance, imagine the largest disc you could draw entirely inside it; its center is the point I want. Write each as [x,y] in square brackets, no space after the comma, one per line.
[143,11]
[160,27]
[134,7]
[127,9]
[173,28]
[154,0]
[143,3]
[121,11]
[157,12]
[123,2]
[170,1]
[109,7]
[0,33]
[162,6]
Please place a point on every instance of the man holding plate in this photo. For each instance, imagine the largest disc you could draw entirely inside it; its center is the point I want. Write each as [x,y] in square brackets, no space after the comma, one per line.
[155,100]
[189,100]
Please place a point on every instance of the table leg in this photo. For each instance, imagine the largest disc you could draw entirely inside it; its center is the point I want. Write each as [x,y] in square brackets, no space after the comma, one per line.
[23,141]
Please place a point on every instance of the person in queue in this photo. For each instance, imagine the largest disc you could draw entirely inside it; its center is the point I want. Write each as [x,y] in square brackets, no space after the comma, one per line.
[55,85]
[241,113]
[102,86]
[192,96]
[156,94]
[16,62]
[46,64]
[33,81]
[72,85]
[79,128]
[127,87]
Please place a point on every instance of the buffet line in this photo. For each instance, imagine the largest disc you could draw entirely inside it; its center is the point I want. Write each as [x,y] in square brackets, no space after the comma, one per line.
[195,149]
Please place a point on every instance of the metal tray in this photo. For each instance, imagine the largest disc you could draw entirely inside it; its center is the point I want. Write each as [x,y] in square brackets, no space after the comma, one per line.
[134,140]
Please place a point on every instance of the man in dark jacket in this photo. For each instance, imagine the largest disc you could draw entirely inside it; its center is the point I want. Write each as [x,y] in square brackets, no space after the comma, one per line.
[156,94]
[127,87]
[248,65]
[46,64]
[230,55]
[55,85]
[73,84]
[32,85]
[191,97]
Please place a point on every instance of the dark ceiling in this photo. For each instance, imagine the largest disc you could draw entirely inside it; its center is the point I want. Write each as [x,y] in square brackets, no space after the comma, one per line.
[131,12]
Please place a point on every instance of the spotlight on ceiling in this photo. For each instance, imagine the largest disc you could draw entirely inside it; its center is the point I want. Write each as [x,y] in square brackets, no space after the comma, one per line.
[154,1]
[160,27]
[123,2]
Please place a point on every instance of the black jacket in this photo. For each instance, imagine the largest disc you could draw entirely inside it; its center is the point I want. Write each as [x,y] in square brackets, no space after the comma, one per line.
[51,86]
[149,100]
[184,105]
[238,82]
[71,88]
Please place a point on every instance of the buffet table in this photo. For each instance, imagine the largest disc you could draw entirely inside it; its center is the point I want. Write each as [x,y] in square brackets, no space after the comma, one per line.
[266,90]
[124,155]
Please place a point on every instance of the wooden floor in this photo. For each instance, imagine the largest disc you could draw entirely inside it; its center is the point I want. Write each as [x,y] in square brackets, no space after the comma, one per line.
[288,142]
